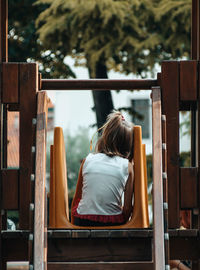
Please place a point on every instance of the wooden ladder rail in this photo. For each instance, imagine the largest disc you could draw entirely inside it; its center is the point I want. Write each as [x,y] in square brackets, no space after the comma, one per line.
[40,219]
[158,216]
[165,191]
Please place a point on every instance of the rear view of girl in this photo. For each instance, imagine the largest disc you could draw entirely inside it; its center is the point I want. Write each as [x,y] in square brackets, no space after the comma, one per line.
[107,176]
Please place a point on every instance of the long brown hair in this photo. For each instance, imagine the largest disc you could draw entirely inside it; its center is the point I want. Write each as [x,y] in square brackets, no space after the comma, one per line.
[117,137]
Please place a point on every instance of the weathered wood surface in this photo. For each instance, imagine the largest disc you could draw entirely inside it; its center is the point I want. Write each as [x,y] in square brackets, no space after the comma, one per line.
[16,245]
[99,249]
[165,187]
[158,221]
[40,173]
[102,266]
[184,248]
[188,80]
[96,84]
[10,182]
[189,196]
[28,81]
[129,233]
[10,83]
[170,107]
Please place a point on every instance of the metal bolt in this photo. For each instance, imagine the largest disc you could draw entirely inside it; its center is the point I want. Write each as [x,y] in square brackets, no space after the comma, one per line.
[165,205]
[164,147]
[34,121]
[166,236]
[30,267]
[167,267]
[32,177]
[163,117]
[33,149]
[30,237]
[164,175]
[31,206]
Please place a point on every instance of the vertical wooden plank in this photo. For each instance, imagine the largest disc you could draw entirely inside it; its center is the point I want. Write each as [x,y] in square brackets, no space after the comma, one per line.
[189,185]
[39,221]
[28,81]
[170,107]
[188,80]
[9,180]
[158,224]
[10,83]
[165,187]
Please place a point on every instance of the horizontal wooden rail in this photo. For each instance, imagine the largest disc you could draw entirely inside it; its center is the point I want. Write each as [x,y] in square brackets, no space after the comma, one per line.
[16,245]
[101,266]
[96,84]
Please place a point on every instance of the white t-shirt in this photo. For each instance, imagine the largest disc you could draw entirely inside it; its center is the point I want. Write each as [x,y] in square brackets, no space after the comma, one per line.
[104,180]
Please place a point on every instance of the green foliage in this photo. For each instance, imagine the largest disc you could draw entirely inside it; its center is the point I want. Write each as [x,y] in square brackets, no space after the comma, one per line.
[130,35]
[185,159]
[77,148]
[24,44]
[174,17]
[107,29]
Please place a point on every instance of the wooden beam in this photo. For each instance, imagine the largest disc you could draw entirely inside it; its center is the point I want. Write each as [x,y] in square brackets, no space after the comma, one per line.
[158,218]
[184,248]
[170,107]
[188,80]
[10,83]
[102,266]
[189,192]
[28,83]
[165,187]
[96,84]
[99,249]
[40,173]
[10,181]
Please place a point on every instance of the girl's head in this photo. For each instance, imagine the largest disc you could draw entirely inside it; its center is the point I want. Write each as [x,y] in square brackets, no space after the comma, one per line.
[117,137]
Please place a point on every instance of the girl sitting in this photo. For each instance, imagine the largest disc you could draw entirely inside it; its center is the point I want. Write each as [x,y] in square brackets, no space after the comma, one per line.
[107,175]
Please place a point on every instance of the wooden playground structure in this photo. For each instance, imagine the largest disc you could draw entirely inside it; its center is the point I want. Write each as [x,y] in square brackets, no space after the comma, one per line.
[177,88]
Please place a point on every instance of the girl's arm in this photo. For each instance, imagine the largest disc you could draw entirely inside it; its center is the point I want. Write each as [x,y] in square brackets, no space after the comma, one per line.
[128,193]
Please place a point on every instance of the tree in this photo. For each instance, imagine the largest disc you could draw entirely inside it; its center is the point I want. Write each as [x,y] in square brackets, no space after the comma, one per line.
[103,32]
[24,44]
[129,36]
[173,28]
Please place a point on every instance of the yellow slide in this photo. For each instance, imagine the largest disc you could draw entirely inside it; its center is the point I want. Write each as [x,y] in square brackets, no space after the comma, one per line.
[59,210]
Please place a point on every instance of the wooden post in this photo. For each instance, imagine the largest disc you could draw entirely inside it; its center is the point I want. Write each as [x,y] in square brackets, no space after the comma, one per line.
[40,250]
[28,83]
[165,187]
[158,221]
[170,107]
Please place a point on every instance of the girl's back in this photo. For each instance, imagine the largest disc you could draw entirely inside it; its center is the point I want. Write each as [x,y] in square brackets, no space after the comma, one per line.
[104,180]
